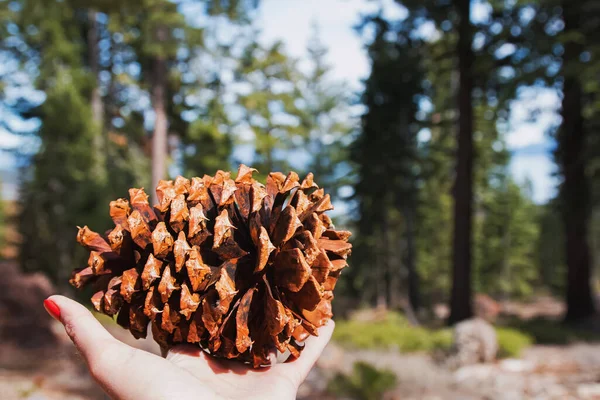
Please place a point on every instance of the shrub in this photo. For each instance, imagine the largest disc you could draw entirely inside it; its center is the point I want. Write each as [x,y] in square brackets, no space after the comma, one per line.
[442,339]
[392,333]
[511,342]
[364,383]
[545,331]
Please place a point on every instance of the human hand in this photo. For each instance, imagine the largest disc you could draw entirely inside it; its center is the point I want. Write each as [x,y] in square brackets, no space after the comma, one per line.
[186,373]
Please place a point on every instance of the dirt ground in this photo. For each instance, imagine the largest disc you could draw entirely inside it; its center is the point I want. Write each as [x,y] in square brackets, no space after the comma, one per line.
[543,372]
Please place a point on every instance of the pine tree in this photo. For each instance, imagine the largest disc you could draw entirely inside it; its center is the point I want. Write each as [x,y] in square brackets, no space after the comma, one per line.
[460,299]
[434,232]
[208,140]
[152,27]
[76,168]
[576,195]
[165,43]
[324,115]
[490,177]
[386,156]
[107,49]
[505,262]
[555,34]
[453,18]
[61,186]
[207,144]
[550,248]
[269,110]
[464,52]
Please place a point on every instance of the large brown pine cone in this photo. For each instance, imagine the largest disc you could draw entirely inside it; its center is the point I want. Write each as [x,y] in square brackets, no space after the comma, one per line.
[240,268]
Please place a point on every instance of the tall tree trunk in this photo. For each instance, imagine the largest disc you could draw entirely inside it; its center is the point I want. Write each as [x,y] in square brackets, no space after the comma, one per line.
[383,260]
[576,193]
[414,296]
[159,136]
[393,245]
[93,53]
[460,301]
[96,101]
[159,105]
[506,272]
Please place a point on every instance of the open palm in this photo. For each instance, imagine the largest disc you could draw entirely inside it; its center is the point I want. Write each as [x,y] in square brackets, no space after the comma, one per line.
[186,373]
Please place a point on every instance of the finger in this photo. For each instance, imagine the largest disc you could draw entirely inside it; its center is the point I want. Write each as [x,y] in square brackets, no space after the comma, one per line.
[123,371]
[313,347]
[87,334]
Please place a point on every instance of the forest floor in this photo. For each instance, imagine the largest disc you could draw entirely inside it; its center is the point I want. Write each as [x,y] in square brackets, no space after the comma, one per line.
[38,362]
[543,372]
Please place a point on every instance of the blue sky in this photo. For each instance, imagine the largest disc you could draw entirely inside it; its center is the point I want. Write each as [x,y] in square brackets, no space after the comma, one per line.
[291,21]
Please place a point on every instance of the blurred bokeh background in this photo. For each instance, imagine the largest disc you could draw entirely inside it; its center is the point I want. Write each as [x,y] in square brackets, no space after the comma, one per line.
[459,140]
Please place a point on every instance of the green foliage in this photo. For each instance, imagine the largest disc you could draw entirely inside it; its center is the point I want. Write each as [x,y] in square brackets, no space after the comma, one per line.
[504,253]
[233,9]
[512,342]
[544,331]
[325,117]
[505,218]
[270,112]
[208,141]
[81,164]
[434,251]
[386,166]
[157,33]
[206,150]
[96,64]
[550,249]
[400,163]
[394,332]
[434,210]
[365,383]
[507,230]
[64,184]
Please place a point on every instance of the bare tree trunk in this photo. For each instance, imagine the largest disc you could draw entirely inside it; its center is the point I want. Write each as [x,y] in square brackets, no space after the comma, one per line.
[409,312]
[414,296]
[383,266]
[506,243]
[393,263]
[460,301]
[159,136]
[96,101]
[575,193]
[92,42]
[159,105]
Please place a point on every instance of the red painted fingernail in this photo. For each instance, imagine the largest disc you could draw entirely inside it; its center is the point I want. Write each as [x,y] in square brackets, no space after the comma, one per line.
[52,309]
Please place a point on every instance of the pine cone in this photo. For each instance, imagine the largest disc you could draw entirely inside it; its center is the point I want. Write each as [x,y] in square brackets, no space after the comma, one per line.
[240,268]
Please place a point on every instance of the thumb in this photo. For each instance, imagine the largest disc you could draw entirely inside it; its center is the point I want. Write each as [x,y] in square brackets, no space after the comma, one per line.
[298,369]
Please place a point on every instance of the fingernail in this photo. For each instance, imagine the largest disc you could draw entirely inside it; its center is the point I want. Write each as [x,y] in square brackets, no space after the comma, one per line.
[52,309]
